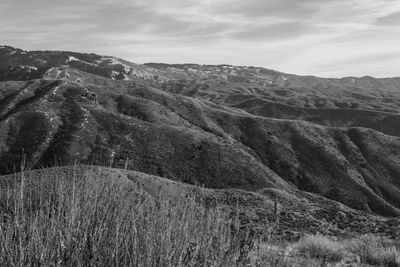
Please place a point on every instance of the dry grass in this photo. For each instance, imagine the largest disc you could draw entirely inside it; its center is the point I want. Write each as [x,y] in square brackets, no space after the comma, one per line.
[366,249]
[320,247]
[80,219]
[376,250]
[83,221]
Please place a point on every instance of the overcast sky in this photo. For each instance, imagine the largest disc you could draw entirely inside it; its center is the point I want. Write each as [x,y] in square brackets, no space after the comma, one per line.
[328,38]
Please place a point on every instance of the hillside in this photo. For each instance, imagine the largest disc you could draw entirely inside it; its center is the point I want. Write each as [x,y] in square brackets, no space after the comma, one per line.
[91,215]
[297,213]
[246,130]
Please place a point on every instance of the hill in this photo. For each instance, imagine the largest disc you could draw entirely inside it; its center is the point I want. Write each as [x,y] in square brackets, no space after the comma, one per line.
[285,216]
[241,129]
[90,215]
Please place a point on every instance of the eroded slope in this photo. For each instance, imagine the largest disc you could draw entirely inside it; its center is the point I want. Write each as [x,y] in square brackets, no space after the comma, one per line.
[219,126]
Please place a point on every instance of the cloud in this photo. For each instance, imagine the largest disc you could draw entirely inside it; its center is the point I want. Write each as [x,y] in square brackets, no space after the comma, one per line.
[391,19]
[262,8]
[320,37]
[275,32]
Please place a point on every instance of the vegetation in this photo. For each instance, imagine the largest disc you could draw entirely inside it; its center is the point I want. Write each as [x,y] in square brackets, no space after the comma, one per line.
[78,219]
[366,249]
[376,250]
[321,247]
[98,221]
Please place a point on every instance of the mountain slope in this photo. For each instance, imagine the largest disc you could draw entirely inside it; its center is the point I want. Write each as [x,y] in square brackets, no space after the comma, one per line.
[298,213]
[223,127]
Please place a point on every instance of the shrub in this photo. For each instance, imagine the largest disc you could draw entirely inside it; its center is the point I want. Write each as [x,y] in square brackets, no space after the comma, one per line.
[321,247]
[375,250]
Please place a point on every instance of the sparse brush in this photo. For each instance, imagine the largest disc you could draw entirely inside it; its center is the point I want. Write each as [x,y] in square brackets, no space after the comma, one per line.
[275,221]
[81,219]
[90,218]
[321,247]
[376,250]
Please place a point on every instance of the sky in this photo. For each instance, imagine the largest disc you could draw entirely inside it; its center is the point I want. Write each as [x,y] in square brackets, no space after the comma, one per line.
[326,38]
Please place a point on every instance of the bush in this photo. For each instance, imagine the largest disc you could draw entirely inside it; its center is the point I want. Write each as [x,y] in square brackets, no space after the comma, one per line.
[321,247]
[375,250]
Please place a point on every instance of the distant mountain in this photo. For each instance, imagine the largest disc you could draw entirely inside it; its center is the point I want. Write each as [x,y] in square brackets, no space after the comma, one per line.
[224,127]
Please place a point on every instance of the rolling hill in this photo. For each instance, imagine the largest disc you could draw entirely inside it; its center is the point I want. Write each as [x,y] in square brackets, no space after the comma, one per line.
[324,147]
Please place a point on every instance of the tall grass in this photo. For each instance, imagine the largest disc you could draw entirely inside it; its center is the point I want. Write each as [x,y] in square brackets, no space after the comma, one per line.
[86,220]
[60,217]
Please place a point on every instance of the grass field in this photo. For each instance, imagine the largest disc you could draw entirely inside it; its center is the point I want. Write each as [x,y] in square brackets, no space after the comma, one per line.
[78,219]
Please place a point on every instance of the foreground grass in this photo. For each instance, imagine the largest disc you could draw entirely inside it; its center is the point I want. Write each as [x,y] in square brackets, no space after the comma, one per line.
[83,219]
[99,221]
[366,249]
